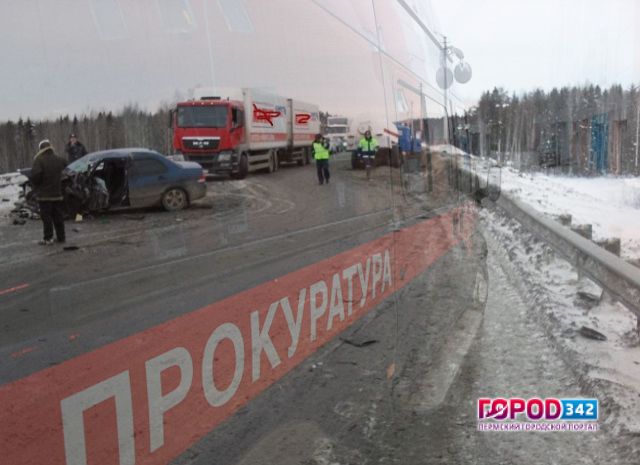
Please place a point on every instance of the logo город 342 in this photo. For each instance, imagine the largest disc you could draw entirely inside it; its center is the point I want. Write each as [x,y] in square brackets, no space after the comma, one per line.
[537,409]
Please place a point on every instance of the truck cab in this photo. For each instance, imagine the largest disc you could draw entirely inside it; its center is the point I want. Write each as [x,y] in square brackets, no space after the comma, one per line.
[209,131]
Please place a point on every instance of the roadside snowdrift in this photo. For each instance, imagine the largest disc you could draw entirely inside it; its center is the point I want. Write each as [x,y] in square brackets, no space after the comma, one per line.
[9,192]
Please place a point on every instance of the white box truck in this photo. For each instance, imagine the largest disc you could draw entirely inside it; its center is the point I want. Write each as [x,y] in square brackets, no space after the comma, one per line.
[237,131]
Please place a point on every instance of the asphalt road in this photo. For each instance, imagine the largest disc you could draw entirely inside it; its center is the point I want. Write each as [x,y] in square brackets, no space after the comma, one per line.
[244,233]
[398,385]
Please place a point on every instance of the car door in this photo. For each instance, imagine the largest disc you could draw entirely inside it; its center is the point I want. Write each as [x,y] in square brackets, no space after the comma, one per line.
[148,178]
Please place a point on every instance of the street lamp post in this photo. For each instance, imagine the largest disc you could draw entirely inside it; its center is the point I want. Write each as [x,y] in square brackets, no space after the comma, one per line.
[445,77]
[635,89]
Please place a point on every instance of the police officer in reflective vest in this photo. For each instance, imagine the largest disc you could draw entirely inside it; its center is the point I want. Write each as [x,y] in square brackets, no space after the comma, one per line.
[367,148]
[321,154]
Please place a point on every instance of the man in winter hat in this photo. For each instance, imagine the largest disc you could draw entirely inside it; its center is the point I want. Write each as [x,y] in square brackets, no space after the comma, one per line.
[46,177]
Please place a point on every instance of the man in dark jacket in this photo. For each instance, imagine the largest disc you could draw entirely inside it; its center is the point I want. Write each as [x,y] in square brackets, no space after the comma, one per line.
[75,149]
[46,177]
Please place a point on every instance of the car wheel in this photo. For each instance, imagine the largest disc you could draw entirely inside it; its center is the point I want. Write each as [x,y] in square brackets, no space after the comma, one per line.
[175,199]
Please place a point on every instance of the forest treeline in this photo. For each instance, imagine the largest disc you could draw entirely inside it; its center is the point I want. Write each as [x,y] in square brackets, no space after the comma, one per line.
[583,129]
[132,127]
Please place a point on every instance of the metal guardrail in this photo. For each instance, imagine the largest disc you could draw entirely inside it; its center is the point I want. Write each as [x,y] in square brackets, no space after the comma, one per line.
[617,277]
[620,279]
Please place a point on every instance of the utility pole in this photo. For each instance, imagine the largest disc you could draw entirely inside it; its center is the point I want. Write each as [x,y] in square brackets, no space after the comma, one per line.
[445,52]
[422,115]
[637,131]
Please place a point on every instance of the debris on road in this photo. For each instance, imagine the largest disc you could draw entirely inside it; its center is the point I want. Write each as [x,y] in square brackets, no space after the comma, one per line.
[391,370]
[592,334]
[589,294]
[315,365]
[71,248]
[27,213]
[356,343]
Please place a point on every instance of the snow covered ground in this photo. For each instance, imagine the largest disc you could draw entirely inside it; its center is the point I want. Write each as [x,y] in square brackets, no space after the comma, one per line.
[9,192]
[562,302]
[610,204]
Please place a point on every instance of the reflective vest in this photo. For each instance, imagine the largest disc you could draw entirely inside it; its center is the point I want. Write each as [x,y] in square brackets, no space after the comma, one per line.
[368,146]
[320,152]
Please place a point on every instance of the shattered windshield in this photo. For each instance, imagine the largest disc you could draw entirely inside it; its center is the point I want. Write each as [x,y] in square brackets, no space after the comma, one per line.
[81,165]
[391,232]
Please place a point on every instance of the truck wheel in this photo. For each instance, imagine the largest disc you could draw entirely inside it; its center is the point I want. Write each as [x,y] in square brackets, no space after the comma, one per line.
[276,161]
[175,199]
[243,167]
[272,165]
[307,156]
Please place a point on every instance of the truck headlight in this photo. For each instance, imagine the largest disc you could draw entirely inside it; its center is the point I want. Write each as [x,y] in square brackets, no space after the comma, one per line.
[224,156]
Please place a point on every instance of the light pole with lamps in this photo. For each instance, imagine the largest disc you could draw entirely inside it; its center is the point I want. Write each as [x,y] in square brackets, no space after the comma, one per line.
[635,89]
[444,76]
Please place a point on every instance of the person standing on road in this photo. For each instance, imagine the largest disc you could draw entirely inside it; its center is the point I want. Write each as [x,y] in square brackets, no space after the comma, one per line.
[75,149]
[46,177]
[367,148]
[321,155]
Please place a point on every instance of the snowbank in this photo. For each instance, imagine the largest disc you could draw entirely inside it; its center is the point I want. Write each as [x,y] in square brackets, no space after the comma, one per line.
[610,204]
[9,192]
[448,148]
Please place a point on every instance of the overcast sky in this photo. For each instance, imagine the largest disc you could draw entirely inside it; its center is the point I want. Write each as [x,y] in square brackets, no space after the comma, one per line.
[524,44]
[74,56]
